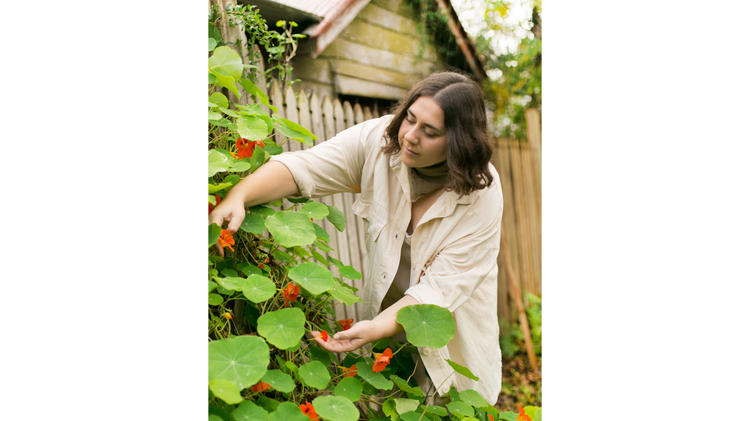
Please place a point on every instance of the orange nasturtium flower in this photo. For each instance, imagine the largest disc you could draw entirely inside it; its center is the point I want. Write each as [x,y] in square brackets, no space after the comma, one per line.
[290,293]
[491,418]
[226,239]
[308,410]
[245,147]
[349,372]
[260,387]
[227,315]
[382,360]
[323,335]
[522,416]
[345,324]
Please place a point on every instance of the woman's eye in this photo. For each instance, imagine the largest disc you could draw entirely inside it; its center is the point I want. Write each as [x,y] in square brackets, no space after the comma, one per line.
[407,119]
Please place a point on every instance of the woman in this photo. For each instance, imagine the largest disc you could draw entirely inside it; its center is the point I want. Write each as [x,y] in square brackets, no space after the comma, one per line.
[432,206]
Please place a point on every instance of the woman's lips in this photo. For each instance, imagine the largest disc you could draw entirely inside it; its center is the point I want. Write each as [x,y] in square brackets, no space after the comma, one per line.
[409,151]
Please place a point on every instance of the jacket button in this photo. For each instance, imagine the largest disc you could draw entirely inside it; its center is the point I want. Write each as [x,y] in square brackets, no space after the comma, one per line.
[426,352]
[444,390]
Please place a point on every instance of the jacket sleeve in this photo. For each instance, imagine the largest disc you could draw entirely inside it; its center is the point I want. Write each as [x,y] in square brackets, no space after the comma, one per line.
[334,166]
[462,266]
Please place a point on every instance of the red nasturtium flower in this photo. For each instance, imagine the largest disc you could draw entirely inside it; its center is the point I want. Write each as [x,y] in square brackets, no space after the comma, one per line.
[349,372]
[290,293]
[323,335]
[260,387]
[345,324]
[522,416]
[491,419]
[227,315]
[382,360]
[211,207]
[308,410]
[245,148]
[226,239]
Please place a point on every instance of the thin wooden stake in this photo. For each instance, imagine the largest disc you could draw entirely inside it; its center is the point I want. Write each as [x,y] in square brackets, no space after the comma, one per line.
[516,292]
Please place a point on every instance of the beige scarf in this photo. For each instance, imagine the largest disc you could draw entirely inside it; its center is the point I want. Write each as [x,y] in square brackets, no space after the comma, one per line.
[426,179]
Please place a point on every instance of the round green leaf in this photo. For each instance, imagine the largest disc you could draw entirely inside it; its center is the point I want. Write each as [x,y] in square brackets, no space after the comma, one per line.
[312,277]
[225,390]
[251,127]
[282,328]
[211,44]
[427,325]
[219,99]
[231,283]
[460,408]
[249,411]
[320,354]
[223,79]
[314,210]
[405,405]
[291,229]
[364,371]
[413,416]
[349,272]
[228,60]
[215,299]
[258,288]
[217,162]
[349,388]
[314,374]
[214,417]
[437,410]
[254,224]
[288,411]
[335,408]
[241,360]
[473,398]
[279,380]
[262,210]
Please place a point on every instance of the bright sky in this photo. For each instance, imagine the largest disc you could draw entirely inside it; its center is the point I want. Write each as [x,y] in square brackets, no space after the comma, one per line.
[471,15]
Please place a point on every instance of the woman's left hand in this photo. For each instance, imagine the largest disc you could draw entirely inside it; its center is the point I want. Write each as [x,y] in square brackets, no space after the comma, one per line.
[361,333]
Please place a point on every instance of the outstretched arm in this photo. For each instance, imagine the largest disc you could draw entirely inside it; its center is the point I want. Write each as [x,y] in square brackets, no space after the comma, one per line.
[270,182]
[384,325]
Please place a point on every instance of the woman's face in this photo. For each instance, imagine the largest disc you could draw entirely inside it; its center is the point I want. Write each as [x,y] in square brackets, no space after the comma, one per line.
[422,135]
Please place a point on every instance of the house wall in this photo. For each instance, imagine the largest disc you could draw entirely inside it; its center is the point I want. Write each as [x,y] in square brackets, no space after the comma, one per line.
[378,55]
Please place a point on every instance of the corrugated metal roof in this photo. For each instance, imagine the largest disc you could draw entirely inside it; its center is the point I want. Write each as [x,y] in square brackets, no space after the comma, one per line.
[315,7]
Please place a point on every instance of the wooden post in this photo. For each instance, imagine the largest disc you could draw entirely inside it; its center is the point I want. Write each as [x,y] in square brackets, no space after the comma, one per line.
[516,292]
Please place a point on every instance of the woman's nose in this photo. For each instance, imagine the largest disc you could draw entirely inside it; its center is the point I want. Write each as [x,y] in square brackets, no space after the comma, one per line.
[411,135]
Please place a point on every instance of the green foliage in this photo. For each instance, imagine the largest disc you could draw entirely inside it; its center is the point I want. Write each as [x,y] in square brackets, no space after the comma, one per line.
[434,29]
[261,367]
[514,81]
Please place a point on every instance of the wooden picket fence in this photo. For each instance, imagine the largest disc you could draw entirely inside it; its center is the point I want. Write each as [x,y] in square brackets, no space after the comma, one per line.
[325,119]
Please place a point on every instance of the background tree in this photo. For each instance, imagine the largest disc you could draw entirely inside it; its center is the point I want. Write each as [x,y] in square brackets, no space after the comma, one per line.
[508,35]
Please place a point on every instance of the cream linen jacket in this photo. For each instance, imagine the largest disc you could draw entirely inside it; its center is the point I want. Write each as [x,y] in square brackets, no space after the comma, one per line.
[454,246]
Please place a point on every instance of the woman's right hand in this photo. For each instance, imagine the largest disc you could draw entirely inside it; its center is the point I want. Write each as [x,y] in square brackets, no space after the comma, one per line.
[229,211]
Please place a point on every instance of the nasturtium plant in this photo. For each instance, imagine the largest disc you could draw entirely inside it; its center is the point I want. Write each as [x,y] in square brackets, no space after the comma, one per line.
[272,285]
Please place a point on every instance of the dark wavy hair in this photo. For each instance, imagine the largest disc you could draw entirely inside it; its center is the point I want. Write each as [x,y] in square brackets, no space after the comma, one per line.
[469,147]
